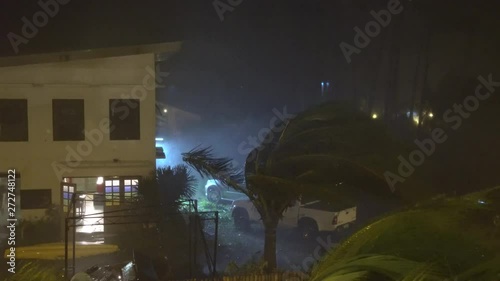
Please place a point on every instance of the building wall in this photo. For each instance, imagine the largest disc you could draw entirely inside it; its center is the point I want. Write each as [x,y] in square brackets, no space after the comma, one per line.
[96,81]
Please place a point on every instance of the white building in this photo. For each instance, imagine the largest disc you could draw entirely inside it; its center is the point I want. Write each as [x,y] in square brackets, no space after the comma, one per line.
[83,118]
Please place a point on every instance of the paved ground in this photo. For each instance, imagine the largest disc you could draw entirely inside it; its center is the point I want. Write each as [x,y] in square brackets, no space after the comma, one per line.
[293,252]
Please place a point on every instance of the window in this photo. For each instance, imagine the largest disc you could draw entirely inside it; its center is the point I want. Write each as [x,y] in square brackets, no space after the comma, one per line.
[124,117]
[68,120]
[120,190]
[130,188]
[112,190]
[13,120]
[68,189]
[36,199]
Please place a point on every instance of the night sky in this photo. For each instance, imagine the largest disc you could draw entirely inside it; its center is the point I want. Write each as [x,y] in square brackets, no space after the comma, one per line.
[271,54]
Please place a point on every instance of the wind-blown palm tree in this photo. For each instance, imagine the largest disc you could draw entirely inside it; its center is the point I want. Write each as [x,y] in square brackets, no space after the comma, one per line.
[443,239]
[315,151]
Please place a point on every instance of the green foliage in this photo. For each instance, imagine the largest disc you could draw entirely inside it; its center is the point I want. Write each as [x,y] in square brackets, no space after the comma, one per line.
[451,237]
[224,210]
[167,187]
[44,230]
[379,267]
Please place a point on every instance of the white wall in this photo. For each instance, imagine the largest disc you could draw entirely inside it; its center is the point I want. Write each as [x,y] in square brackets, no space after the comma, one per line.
[96,81]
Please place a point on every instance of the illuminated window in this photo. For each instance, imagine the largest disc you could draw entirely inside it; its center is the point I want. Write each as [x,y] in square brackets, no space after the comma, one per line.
[120,190]
[68,190]
[112,190]
[130,188]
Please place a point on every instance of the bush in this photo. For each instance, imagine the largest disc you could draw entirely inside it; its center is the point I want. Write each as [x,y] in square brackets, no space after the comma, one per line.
[45,230]
[224,210]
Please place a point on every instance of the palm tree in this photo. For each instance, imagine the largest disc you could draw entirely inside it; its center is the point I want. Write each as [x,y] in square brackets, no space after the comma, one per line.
[160,198]
[167,187]
[315,151]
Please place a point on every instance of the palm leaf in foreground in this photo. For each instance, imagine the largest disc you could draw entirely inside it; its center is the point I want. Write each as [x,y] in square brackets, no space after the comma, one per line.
[389,267]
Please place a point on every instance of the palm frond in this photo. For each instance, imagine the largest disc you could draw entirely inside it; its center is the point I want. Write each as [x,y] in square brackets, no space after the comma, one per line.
[457,233]
[487,270]
[207,165]
[390,267]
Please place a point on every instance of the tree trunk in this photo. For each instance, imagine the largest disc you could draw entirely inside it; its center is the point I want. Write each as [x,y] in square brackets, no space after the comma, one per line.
[270,245]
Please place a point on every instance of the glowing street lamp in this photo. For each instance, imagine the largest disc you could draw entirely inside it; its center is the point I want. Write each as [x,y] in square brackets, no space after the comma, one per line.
[374,116]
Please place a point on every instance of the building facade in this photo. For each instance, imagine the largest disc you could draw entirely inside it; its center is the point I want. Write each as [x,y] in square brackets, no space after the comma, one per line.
[81,121]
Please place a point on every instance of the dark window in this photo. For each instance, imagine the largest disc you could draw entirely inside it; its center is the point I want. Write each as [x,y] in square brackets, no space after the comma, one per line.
[68,120]
[124,117]
[36,199]
[13,120]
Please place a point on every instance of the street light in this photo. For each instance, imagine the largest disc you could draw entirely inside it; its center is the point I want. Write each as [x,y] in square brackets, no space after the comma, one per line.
[374,116]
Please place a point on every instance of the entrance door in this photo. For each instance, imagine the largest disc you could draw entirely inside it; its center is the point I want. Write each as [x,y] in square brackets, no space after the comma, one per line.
[67,191]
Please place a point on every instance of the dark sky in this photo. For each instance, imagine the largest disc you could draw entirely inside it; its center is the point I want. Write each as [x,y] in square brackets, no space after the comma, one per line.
[271,54]
[263,51]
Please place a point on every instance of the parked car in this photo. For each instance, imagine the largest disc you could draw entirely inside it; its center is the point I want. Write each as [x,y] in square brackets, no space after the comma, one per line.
[308,217]
[215,192]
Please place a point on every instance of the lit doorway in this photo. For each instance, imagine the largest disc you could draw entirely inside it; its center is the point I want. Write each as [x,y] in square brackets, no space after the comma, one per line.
[89,192]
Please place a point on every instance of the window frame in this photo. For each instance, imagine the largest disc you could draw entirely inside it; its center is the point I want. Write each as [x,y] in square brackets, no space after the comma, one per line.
[56,123]
[24,135]
[119,125]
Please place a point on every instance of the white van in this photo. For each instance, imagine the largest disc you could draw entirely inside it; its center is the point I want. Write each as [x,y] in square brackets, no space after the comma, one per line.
[310,217]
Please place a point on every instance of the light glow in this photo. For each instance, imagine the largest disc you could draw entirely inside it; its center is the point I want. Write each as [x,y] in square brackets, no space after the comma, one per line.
[431,115]
[165,110]
[374,116]
[158,139]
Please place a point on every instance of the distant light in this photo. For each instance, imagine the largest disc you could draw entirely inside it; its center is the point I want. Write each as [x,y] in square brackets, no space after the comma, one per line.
[100,180]
[158,139]
[481,202]
[374,116]
[415,119]
[431,115]
[165,110]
